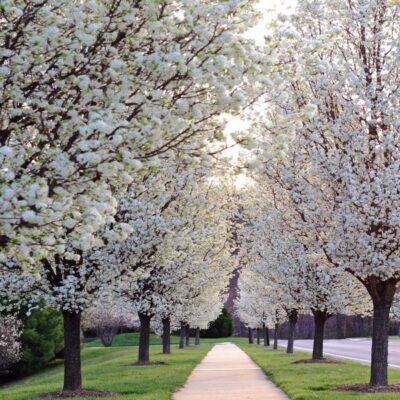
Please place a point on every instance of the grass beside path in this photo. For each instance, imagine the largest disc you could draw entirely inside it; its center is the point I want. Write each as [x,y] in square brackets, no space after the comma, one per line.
[110,369]
[129,339]
[314,381]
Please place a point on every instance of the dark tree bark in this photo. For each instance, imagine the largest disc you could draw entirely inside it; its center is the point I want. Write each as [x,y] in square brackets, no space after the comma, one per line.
[265,335]
[187,337]
[197,340]
[258,335]
[320,318]
[166,336]
[382,294]
[250,333]
[276,337]
[72,346]
[144,339]
[293,316]
[182,335]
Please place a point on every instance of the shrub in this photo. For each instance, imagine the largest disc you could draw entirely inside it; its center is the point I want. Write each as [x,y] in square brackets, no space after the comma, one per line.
[221,327]
[41,339]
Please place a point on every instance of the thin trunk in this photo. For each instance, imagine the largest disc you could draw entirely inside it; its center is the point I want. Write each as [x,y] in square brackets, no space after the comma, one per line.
[320,318]
[144,339]
[250,333]
[166,336]
[258,335]
[382,293]
[197,340]
[276,337]
[182,336]
[72,346]
[293,315]
[265,335]
[187,338]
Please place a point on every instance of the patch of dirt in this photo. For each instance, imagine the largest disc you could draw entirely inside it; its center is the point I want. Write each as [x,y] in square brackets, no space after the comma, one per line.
[78,393]
[311,361]
[365,388]
[143,364]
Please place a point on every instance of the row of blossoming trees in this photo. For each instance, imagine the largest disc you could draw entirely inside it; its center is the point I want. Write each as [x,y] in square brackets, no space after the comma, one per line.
[322,229]
[111,112]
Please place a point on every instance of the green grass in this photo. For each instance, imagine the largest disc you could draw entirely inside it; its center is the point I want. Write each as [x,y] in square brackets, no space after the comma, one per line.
[314,381]
[111,369]
[128,339]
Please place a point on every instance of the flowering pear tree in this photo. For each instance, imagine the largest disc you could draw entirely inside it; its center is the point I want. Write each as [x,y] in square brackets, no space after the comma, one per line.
[290,261]
[258,303]
[106,317]
[186,216]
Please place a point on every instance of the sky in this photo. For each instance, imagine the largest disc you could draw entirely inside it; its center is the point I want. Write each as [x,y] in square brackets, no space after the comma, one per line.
[269,8]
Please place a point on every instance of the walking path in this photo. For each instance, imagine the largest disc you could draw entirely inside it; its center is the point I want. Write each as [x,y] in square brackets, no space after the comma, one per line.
[227,373]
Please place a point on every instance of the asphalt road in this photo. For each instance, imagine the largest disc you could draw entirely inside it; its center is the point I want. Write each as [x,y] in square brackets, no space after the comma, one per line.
[352,349]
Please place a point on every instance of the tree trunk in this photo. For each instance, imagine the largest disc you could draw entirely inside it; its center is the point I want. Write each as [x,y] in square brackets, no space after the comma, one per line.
[258,335]
[265,335]
[250,333]
[276,337]
[320,318]
[293,315]
[197,340]
[382,294]
[144,339]
[187,338]
[166,337]
[72,346]
[182,336]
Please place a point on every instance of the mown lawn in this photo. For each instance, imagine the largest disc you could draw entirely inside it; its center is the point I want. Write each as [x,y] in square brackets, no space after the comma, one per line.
[129,339]
[314,381]
[110,369]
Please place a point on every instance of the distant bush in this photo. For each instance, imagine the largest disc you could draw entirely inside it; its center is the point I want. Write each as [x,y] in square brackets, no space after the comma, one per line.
[221,327]
[41,340]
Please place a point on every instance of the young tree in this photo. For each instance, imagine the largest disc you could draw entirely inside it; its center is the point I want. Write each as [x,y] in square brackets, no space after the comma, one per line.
[106,318]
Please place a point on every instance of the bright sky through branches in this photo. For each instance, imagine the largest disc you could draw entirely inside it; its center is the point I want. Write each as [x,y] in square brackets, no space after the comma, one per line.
[269,9]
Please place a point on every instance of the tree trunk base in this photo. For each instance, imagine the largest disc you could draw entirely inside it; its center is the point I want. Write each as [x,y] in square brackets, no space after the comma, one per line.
[144,363]
[78,393]
[364,388]
[72,358]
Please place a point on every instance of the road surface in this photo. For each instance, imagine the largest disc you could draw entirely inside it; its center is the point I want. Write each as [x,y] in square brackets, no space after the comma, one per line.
[352,349]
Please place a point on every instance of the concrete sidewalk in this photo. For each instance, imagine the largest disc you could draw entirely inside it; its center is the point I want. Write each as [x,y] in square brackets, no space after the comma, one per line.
[227,373]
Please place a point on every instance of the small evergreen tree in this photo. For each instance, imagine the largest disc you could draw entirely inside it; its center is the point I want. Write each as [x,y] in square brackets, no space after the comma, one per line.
[221,327]
[41,340]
